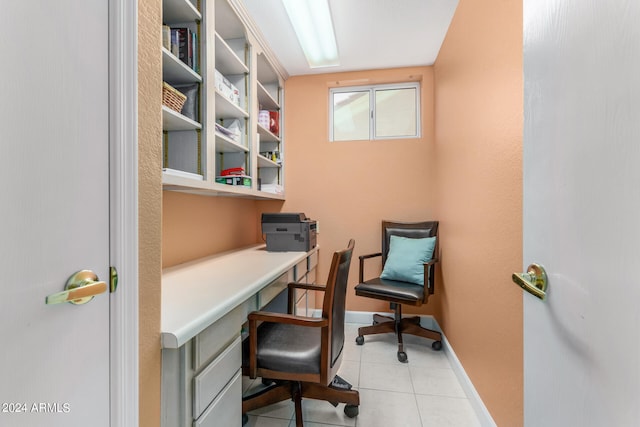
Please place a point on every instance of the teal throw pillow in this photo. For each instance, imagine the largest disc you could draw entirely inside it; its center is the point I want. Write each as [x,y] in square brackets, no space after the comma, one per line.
[406,258]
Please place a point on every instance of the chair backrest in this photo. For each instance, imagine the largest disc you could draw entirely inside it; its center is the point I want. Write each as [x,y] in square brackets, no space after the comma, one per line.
[415,230]
[335,295]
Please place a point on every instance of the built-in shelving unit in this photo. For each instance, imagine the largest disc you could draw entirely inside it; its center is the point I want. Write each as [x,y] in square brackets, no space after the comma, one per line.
[270,150]
[235,77]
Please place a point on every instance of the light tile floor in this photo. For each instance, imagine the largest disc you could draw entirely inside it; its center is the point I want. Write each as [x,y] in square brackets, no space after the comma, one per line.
[423,392]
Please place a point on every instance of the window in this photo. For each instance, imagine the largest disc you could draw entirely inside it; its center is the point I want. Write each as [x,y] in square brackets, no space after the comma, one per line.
[374,112]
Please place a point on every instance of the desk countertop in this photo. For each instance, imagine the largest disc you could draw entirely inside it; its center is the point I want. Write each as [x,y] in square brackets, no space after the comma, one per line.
[198,293]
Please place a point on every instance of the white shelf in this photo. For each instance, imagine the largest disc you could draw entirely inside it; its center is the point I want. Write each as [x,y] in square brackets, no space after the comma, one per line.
[183,174]
[225,109]
[177,11]
[266,73]
[175,71]
[266,101]
[224,144]
[263,162]
[177,178]
[227,24]
[266,135]
[172,121]
[227,62]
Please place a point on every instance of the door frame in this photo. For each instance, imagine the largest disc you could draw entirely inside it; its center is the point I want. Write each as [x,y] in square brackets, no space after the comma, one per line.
[123,206]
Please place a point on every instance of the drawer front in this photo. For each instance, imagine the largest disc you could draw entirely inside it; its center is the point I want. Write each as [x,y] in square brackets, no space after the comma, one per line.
[270,291]
[311,301]
[226,410]
[210,382]
[210,342]
[300,270]
[313,261]
[311,276]
[248,306]
[301,302]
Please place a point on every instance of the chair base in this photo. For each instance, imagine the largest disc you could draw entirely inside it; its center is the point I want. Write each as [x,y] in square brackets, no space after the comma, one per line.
[399,326]
[339,391]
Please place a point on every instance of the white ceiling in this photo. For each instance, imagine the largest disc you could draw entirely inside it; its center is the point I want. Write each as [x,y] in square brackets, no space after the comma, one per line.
[371,34]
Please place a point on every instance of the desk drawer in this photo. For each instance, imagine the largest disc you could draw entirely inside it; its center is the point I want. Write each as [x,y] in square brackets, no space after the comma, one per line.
[210,342]
[300,270]
[270,291]
[313,261]
[311,276]
[208,384]
[226,410]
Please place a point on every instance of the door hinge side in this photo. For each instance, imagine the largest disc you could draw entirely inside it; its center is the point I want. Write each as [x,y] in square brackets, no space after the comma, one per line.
[113,279]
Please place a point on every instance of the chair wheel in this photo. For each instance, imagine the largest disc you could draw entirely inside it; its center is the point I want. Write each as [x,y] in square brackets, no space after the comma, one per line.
[436,345]
[245,419]
[267,381]
[351,411]
[402,356]
[359,340]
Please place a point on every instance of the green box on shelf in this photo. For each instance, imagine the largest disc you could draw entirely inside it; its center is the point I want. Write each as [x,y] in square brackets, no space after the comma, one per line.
[244,181]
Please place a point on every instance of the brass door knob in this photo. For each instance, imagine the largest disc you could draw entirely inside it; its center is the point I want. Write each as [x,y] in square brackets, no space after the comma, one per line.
[533,281]
[81,287]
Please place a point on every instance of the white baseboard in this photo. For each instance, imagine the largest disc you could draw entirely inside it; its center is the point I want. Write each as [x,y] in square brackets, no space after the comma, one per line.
[429,322]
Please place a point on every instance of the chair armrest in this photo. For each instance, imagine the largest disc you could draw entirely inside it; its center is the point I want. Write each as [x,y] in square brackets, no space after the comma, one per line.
[427,277]
[310,286]
[432,261]
[362,259]
[289,319]
[291,296]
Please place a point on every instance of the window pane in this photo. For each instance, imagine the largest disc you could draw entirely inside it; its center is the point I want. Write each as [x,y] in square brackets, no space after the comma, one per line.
[396,113]
[350,116]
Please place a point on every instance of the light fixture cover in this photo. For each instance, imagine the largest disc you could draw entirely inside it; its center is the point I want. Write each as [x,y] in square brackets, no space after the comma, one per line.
[311,20]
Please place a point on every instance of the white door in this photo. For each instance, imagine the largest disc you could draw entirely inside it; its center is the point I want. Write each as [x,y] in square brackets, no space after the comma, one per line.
[582,212]
[54,211]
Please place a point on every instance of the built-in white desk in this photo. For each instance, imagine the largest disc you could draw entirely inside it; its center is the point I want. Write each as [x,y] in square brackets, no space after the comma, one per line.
[204,305]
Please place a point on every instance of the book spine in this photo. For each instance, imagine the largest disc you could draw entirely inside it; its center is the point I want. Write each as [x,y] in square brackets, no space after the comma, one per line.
[183,45]
[175,46]
[190,43]
[194,39]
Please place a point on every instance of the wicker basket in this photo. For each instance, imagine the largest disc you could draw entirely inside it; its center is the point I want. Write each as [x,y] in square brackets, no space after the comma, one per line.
[172,97]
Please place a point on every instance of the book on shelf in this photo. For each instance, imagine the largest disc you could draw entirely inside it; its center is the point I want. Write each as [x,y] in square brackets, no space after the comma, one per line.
[194,52]
[184,45]
[174,41]
[185,48]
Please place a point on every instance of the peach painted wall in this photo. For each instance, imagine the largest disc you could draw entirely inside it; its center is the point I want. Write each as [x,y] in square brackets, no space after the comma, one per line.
[479,123]
[197,226]
[149,206]
[349,187]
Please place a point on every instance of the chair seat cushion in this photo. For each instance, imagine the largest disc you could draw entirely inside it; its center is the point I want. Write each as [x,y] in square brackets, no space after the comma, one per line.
[403,292]
[287,348]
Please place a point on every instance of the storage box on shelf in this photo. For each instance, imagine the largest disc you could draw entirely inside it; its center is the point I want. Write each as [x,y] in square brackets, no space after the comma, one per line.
[218,126]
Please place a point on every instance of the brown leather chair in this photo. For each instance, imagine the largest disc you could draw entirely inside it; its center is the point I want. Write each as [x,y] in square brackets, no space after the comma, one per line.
[301,355]
[399,292]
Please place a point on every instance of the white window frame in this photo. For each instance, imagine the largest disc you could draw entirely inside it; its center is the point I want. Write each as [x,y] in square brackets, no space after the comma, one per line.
[372,89]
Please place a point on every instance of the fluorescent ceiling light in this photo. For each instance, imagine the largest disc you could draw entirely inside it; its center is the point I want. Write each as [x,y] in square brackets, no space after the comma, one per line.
[311,20]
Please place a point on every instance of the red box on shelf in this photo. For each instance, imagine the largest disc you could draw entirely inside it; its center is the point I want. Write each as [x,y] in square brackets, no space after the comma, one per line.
[274,122]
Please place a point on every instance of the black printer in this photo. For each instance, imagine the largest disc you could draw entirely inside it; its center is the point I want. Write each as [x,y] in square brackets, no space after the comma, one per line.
[289,232]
